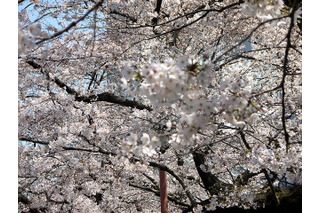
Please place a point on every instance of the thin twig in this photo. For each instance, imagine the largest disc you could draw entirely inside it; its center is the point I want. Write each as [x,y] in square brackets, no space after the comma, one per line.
[247,37]
[72,24]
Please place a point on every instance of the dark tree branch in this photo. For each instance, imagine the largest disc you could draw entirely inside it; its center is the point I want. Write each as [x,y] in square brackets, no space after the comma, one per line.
[33,64]
[266,91]
[247,37]
[285,63]
[157,193]
[72,24]
[131,18]
[217,44]
[23,199]
[169,31]
[106,96]
[190,14]
[295,4]
[165,168]
[158,7]
[206,12]
[34,141]
[244,177]
[155,184]
[270,183]
[68,148]
[244,140]
[211,183]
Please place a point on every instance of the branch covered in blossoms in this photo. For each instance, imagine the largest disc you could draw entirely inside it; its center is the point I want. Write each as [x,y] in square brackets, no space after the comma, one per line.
[106,96]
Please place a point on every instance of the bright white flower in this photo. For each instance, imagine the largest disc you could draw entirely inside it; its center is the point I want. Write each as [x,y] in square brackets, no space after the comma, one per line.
[224,99]
[127,72]
[235,87]
[233,101]
[242,103]
[278,4]
[147,150]
[224,85]
[163,84]
[205,78]
[182,62]
[262,8]
[175,138]
[188,118]
[169,125]
[231,119]
[132,139]
[297,14]
[281,23]
[245,94]
[169,62]
[145,138]
[137,150]
[155,141]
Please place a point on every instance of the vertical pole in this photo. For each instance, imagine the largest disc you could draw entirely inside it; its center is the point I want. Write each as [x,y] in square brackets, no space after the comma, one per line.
[163,191]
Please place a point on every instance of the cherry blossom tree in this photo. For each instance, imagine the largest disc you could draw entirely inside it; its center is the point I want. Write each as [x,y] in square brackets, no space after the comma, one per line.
[112,91]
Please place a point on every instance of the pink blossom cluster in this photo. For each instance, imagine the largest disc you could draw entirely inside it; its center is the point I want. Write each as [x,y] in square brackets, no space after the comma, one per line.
[263,9]
[234,102]
[278,160]
[180,85]
[163,83]
[144,146]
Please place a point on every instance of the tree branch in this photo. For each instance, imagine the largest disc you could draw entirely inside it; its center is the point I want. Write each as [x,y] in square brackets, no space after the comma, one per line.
[158,7]
[165,168]
[285,63]
[211,183]
[158,194]
[247,37]
[72,24]
[106,96]
[276,199]
[68,148]
[244,177]
[131,18]
[152,180]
